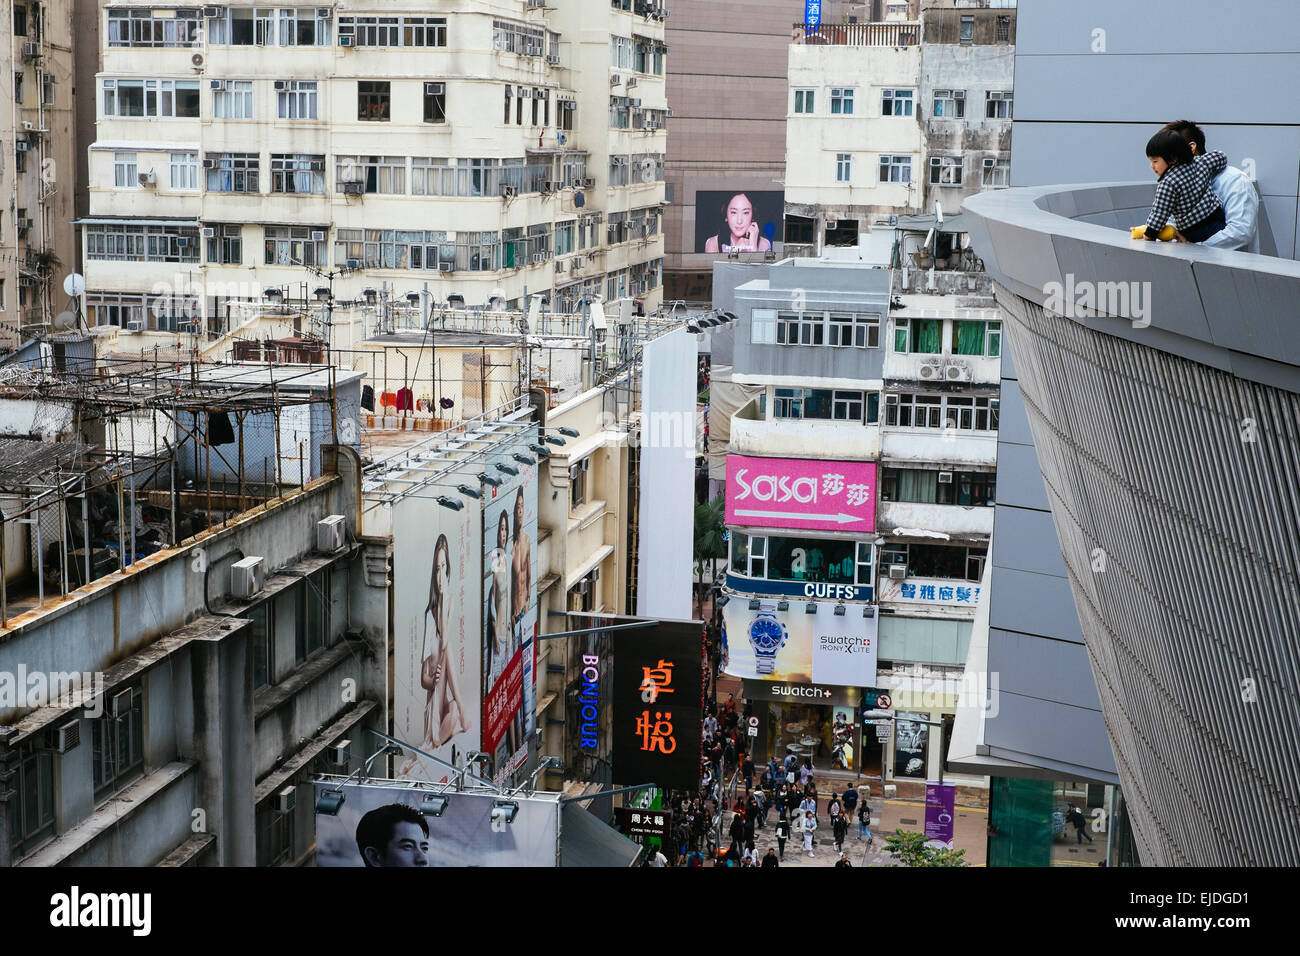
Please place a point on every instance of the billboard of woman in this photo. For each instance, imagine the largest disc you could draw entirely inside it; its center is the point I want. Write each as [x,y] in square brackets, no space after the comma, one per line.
[738,221]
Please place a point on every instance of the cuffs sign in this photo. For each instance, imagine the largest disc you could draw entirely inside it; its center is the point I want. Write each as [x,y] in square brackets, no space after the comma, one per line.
[801,493]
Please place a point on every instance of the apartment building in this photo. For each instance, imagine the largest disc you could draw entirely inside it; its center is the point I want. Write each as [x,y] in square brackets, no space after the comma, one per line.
[38,172]
[872,443]
[237,150]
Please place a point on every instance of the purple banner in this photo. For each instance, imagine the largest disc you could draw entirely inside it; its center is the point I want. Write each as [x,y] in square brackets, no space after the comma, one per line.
[940,801]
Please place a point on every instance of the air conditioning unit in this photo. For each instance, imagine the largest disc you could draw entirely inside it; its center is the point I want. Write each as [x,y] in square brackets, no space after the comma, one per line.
[636,100]
[560,265]
[570,104]
[120,704]
[30,127]
[216,84]
[247,577]
[135,325]
[651,125]
[956,373]
[29,50]
[346,40]
[316,165]
[197,61]
[584,586]
[147,179]
[526,93]
[331,534]
[945,477]
[209,164]
[832,223]
[318,235]
[182,241]
[588,183]
[324,13]
[631,82]
[898,572]
[281,84]
[538,258]
[22,146]
[69,736]
[285,799]
[212,13]
[595,572]
[340,754]
[23,222]
[208,232]
[354,187]
[615,79]
[434,89]
[931,373]
[507,191]
[446,267]
[553,59]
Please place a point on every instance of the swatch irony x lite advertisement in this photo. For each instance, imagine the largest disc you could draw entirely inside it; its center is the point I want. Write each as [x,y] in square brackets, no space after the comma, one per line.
[793,645]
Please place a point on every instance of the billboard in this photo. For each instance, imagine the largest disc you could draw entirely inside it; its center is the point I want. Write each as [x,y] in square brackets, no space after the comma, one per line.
[801,493]
[658,705]
[940,813]
[738,221]
[794,646]
[509,602]
[382,826]
[911,740]
[664,545]
[437,558]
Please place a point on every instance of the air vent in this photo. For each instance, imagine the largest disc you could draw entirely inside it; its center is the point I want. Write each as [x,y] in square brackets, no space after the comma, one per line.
[331,534]
[247,577]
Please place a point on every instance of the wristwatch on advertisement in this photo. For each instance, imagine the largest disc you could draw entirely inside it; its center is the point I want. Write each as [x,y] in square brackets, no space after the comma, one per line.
[767,635]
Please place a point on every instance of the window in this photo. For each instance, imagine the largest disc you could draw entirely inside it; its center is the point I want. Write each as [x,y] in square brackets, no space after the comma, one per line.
[804,100]
[232,172]
[435,102]
[618,171]
[749,555]
[111,309]
[861,330]
[959,412]
[180,28]
[949,104]
[1004,30]
[918,336]
[18,87]
[118,745]
[873,408]
[937,560]
[914,411]
[578,483]
[274,833]
[997,104]
[233,99]
[313,618]
[20,20]
[520,38]
[997,172]
[293,245]
[296,99]
[977,338]
[297,173]
[2,295]
[263,641]
[820,560]
[840,405]
[967,30]
[124,171]
[945,170]
[896,102]
[226,247]
[794,328]
[304,27]
[377,174]
[928,486]
[184,168]
[620,53]
[128,243]
[31,794]
[374,99]
[895,169]
[153,98]
[393,31]
[842,101]
[394,249]
[843,167]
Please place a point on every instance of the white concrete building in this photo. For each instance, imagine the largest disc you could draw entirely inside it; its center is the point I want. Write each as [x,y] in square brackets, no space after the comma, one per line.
[388,146]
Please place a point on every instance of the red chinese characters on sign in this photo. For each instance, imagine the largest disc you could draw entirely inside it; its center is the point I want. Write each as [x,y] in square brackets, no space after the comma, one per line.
[656,681]
[656,734]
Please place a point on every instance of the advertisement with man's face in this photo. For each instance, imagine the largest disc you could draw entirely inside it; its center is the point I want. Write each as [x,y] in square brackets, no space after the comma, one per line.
[509,612]
[797,647]
[436,651]
[384,827]
[736,221]
[911,737]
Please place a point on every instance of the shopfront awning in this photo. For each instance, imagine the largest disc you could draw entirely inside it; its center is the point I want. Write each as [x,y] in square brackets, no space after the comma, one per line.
[585,841]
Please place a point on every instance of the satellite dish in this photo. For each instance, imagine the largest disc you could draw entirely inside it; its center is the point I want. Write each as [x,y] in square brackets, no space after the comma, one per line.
[74,284]
[65,320]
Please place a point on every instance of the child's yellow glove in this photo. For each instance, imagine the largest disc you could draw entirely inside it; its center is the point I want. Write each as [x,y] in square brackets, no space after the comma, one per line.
[1166,234]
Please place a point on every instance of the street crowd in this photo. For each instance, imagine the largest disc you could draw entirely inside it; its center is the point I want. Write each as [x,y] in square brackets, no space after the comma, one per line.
[786,797]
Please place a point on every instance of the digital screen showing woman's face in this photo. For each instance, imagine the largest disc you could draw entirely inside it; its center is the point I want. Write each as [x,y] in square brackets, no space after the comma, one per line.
[740,214]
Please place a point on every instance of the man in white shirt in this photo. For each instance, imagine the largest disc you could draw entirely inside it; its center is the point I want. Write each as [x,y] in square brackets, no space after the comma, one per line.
[1236,193]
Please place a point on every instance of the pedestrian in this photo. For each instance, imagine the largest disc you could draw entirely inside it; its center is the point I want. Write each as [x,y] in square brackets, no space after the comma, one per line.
[695,859]
[840,827]
[737,831]
[658,859]
[805,773]
[1076,817]
[764,805]
[834,808]
[751,821]
[850,799]
[769,859]
[843,861]
[809,827]
[751,855]
[747,771]
[864,821]
[782,833]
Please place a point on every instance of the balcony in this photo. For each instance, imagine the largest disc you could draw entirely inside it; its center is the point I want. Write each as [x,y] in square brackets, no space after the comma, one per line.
[857,34]
[751,434]
[966,521]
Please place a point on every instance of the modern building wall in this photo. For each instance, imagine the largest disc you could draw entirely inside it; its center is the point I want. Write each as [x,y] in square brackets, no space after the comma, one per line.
[727,90]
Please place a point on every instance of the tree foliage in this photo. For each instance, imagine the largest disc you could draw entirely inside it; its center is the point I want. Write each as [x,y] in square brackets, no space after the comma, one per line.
[910,849]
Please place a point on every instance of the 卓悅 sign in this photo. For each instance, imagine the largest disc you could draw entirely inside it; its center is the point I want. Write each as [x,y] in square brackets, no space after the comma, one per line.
[657,698]
[801,493]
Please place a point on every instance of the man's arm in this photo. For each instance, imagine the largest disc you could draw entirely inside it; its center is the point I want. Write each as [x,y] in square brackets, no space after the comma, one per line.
[1240,207]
